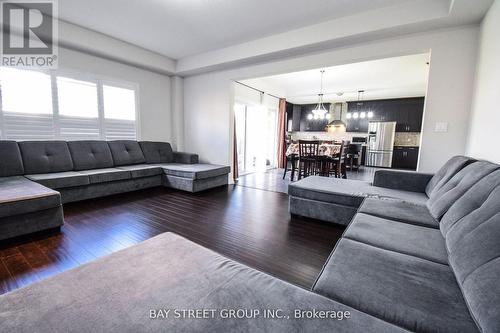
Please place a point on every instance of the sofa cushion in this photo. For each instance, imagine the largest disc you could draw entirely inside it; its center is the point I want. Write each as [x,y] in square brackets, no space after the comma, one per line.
[469,204]
[171,272]
[90,154]
[472,229]
[126,152]
[11,162]
[60,179]
[446,172]
[195,171]
[414,240]
[348,192]
[106,175]
[186,158]
[443,197]
[142,170]
[45,156]
[19,195]
[413,293]
[399,211]
[157,152]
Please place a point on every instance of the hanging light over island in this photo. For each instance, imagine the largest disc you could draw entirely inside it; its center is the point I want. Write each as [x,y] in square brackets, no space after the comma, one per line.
[320,112]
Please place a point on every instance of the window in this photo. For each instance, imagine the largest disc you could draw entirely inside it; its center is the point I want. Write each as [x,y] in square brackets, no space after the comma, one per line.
[78,109]
[26,105]
[46,105]
[77,98]
[119,112]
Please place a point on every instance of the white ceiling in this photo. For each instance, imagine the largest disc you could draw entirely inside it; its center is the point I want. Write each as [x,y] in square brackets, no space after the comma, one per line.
[385,78]
[179,28]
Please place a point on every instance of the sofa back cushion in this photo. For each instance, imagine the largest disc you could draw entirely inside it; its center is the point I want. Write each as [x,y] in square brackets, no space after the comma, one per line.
[472,231]
[45,156]
[444,196]
[90,154]
[157,152]
[447,171]
[11,162]
[126,152]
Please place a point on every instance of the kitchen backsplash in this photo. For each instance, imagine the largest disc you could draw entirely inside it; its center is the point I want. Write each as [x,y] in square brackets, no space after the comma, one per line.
[407,139]
[410,139]
[325,136]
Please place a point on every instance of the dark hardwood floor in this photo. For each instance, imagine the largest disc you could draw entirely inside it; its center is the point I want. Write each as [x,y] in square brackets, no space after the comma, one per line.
[249,225]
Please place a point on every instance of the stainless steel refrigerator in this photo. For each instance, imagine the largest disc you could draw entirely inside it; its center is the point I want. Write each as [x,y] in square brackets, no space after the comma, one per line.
[380,144]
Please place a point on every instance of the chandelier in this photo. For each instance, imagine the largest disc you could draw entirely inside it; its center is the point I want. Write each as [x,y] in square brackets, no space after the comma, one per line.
[320,112]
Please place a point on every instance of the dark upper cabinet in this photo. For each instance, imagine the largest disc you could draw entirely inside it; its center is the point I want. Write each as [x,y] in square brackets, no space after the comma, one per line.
[415,115]
[405,158]
[410,113]
[297,113]
[406,112]
[312,125]
[357,125]
[293,113]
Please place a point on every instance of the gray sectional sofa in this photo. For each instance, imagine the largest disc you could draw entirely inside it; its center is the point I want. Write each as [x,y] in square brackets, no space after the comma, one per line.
[402,265]
[37,177]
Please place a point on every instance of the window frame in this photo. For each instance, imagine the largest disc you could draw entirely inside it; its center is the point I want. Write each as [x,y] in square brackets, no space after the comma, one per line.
[99,81]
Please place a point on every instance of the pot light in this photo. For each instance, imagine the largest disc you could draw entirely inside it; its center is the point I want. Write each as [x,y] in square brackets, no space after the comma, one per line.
[355,115]
[348,116]
[362,115]
[370,114]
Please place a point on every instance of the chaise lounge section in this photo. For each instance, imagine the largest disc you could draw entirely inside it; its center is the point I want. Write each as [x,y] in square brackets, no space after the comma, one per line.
[37,177]
[338,200]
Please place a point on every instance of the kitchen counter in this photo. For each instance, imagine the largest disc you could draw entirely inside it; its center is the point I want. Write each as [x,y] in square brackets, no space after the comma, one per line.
[406,146]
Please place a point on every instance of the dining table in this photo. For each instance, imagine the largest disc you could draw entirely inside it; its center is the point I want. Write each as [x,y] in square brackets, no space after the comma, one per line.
[325,149]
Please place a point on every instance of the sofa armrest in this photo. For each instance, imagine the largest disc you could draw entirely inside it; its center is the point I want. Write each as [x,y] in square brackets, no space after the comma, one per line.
[185,158]
[402,180]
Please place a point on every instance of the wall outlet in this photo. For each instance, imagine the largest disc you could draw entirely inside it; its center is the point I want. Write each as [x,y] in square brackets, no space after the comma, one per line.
[441,126]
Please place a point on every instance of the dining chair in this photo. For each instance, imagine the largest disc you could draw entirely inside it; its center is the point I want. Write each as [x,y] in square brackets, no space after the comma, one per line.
[339,162]
[354,156]
[308,157]
[291,165]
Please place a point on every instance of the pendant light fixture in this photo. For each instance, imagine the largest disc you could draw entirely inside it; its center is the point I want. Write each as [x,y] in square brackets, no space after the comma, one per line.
[357,113]
[320,112]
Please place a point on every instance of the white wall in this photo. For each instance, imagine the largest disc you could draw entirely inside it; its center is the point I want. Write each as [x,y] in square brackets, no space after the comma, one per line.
[177,103]
[485,119]
[208,98]
[154,90]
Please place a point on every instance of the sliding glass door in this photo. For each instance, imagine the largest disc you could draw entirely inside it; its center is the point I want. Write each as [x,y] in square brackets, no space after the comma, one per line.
[256,135]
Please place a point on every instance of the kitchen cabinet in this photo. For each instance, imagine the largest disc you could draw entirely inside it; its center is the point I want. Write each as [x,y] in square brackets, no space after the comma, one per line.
[357,125]
[409,115]
[405,158]
[293,112]
[406,112]
[312,125]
